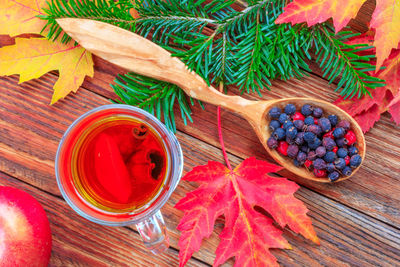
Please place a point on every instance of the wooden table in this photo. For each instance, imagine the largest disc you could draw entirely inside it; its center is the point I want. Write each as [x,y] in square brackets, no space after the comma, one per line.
[357,221]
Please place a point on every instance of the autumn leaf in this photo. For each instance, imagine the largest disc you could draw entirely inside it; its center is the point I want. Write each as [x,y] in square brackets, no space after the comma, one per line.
[19,16]
[248,235]
[33,57]
[317,11]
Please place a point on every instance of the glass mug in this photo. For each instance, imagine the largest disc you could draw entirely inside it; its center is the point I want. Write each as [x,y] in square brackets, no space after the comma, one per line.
[147,218]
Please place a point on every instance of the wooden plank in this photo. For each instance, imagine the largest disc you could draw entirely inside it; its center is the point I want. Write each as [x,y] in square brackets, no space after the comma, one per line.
[79,242]
[25,115]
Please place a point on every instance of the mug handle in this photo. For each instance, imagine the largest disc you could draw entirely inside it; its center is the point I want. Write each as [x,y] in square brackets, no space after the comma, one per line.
[154,233]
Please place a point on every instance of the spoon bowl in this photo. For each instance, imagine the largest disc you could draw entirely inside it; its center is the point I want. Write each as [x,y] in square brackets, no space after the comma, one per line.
[135,53]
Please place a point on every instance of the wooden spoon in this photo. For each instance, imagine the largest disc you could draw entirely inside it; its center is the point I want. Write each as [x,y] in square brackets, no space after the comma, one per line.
[135,53]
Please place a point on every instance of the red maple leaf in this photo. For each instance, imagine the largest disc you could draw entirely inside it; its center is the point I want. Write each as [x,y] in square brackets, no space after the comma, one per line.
[248,235]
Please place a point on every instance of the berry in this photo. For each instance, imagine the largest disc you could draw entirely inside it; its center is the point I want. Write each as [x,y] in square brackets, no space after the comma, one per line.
[341,142]
[355,161]
[306,110]
[272,143]
[320,151]
[292,151]
[290,109]
[340,164]
[333,176]
[298,116]
[305,149]
[319,164]
[299,140]
[350,137]
[309,137]
[329,157]
[319,173]
[325,124]
[344,124]
[347,160]
[296,163]
[333,119]
[298,124]
[317,112]
[287,124]
[339,132]
[352,150]
[291,132]
[309,121]
[311,155]
[274,112]
[301,157]
[283,118]
[329,134]
[289,140]
[274,124]
[328,143]
[316,143]
[347,171]
[342,152]
[279,134]
[315,121]
[335,149]
[282,148]
[308,163]
[330,167]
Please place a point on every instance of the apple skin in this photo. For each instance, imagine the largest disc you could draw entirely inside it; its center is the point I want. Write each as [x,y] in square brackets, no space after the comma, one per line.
[25,236]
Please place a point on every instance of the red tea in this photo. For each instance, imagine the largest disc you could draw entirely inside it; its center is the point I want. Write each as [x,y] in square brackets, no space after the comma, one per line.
[121,164]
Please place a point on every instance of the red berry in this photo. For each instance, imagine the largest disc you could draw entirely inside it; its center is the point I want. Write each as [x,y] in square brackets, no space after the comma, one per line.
[335,149]
[319,173]
[308,163]
[298,116]
[282,147]
[329,134]
[347,160]
[315,121]
[350,137]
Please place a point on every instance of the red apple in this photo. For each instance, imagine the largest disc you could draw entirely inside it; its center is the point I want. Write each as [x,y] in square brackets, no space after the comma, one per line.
[25,237]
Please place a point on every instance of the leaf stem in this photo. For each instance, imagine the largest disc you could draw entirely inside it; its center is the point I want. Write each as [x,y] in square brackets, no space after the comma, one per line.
[221,139]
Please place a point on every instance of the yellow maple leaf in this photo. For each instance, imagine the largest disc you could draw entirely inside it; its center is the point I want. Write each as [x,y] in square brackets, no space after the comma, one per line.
[31,58]
[19,16]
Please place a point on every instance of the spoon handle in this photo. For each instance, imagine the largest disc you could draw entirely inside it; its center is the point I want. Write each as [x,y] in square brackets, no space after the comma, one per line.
[135,53]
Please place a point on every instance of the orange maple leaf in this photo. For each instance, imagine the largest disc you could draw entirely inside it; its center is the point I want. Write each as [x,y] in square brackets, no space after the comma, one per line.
[248,235]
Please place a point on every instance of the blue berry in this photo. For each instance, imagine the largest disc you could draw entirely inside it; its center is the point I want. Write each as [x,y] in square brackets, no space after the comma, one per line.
[344,124]
[283,118]
[333,119]
[330,167]
[274,124]
[320,151]
[298,124]
[325,125]
[299,140]
[274,112]
[292,151]
[309,120]
[330,157]
[311,155]
[279,134]
[309,137]
[315,129]
[315,144]
[287,124]
[272,143]
[333,176]
[342,152]
[328,143]
[290,109]
[301,157]
[355,161]
[306,110]
[289,140]
[339,132]
[347,171]
[352,150]
[341,142]
[297,163]
[319,164]
[317,112]
[291,132]
[340,164]
[305,149]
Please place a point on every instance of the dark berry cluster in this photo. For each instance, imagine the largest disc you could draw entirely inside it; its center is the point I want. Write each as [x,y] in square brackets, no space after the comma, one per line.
[324,145]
